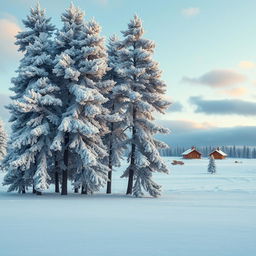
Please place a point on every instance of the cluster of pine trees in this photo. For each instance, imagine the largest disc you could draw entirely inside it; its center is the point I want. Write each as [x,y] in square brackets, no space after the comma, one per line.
[78,106]
[231,151]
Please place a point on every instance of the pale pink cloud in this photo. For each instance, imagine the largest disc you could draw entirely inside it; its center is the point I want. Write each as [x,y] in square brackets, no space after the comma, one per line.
[8,29]
[201,125]
[217,78]
[186,125]
[245,64]
[235,92]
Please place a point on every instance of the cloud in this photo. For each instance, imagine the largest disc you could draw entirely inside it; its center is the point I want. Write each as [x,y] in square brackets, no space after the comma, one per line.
[191,11]
[8,29]
[217,78]
[183,126]
[187,133]
[235,92]
[224,107]
[245,64]
[175,107]
[240,135]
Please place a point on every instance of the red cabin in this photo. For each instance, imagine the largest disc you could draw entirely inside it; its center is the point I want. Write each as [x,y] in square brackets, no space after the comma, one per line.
[218,154]
[192,153]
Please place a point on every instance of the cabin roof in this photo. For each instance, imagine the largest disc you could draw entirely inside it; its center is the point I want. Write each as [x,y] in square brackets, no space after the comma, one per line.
[219,151]
[188,151]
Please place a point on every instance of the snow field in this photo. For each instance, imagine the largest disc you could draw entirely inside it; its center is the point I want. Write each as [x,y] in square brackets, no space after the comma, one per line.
[198,214]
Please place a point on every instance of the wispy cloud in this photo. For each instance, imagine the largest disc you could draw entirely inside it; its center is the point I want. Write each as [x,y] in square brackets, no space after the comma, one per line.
[235,92]
[224,107]
[246,64]
[190,12]
[217,78]
[183,126]
[8,29]
[187,133]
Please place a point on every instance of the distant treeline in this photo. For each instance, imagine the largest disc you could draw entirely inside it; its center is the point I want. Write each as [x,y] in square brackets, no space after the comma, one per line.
[231,151]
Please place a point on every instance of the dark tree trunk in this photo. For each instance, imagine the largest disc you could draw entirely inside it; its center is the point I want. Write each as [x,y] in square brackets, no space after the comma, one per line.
[109,183]
[84,190]
[76,190]
[131,171]
[64,187]
[23,190]
[57,186]
[34,191]
[38,193]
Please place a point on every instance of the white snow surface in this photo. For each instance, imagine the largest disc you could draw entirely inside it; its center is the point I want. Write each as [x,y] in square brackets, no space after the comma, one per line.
[198,214]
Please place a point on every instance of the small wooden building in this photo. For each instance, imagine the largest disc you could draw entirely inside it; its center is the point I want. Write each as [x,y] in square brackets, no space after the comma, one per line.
[218,154]
[192,153]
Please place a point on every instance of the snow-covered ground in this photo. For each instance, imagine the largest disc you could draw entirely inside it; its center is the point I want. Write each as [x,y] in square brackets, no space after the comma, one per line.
[198,214]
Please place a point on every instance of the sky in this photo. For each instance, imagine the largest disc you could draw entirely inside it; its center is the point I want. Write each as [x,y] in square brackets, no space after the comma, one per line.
[206,50]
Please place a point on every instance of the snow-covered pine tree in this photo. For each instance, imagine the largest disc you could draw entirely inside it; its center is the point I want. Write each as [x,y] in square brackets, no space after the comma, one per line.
[234,151]
[141,93]
[32,117]
[65,39]
[254,153]
[243,155]
[211,165]
[80,67]
[3,141]
[114,140]
[248,153]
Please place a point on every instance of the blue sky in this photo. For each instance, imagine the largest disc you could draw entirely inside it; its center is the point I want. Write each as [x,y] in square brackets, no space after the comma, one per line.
[206,49]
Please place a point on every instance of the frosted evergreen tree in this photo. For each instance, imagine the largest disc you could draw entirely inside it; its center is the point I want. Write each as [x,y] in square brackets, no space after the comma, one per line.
[244,152]
[254,153]
[72,20]
[211,165]
[141,93]
[32,114]
[234,151]
[3,141]
[248,153]
[114,140]
[230,152]
[80,67]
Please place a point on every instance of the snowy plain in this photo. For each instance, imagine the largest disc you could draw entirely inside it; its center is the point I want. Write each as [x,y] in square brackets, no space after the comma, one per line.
[198,214]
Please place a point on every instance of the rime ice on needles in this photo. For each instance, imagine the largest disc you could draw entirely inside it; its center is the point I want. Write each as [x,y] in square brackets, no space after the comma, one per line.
[32,110]
[3,141]
[117,124]
[36,23]
[80,67]
[211,165]
[140,92]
